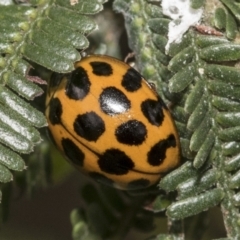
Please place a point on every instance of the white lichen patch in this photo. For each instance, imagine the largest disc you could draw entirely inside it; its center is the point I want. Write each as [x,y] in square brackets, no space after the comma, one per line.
[183,17]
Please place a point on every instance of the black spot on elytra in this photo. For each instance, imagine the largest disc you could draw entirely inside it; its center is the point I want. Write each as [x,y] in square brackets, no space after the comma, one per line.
[153,111]
[101,68]
[132,80]
[113,101]
[157,154]
[73,153]
[55,111]
[89,126]
[132,132]
[114,161]
[78,84]
[101,178]
[139,183]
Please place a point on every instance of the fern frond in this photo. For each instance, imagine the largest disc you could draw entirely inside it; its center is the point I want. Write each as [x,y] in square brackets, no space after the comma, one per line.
[46,33]
[150,66]
[200,76]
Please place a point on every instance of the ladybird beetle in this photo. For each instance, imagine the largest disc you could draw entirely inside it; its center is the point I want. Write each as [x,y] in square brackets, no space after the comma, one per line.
[110,123]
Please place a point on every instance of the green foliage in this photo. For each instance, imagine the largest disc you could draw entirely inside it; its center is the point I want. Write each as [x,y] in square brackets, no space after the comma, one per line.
[34,32]
[110,214]
[200,76]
